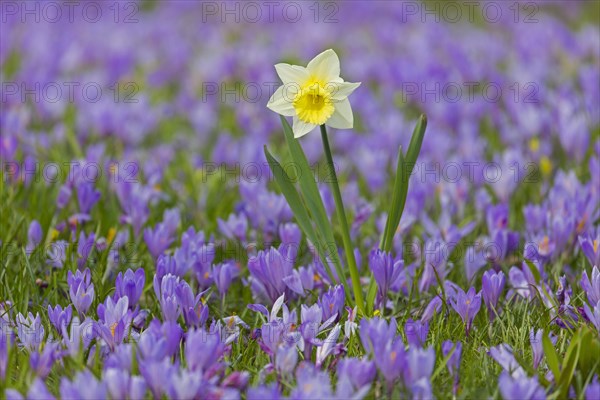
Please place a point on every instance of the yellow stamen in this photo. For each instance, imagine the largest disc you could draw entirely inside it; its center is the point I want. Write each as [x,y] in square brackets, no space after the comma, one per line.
[313,103]
[545,165]
[112,232]
[534,145]
[113,327]
[596,243]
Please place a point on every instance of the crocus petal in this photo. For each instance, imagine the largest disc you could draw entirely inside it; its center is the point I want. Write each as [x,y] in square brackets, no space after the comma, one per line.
[325,66]
[290,74]
[341,90]
[281,101]
[301,128]
[342,117]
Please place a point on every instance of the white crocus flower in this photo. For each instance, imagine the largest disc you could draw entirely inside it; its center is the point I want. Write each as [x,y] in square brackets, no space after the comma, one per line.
[314,95]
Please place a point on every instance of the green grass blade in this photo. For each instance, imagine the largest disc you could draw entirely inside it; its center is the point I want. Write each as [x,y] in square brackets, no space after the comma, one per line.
[551,356]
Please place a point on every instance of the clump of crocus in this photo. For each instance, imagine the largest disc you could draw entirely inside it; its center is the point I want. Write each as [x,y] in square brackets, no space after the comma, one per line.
[466,305]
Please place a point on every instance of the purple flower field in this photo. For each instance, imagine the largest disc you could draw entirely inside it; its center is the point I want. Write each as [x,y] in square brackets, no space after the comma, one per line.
[422,220]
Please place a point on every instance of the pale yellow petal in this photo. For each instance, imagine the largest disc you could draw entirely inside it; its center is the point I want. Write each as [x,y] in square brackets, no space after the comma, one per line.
[341,90]
[292,73]
[301,128]
[325,66]
[280,102]
[342,117]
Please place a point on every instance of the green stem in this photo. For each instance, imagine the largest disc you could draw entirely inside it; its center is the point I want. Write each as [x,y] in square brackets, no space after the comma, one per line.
[339,208]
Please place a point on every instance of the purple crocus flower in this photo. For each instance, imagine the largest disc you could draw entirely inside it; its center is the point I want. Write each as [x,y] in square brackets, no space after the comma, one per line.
[34,236]
[328,346]
[332,302]
[419,364]
[64,195]
[520,387]
[311,383]
[168,264]
[57,253]
[590,246]
[195,312]
[4,340]
[593,314]
[264,392]
[466,305]
[235,227]
[591,286]
[114,321]
[286,358]
[434,306]
[157,375]
[535,338]
[185,385]
[223,274]
[30,330]
[272,334]
[416,332]
[155,343]
[503,354]
[390,360]
[42,361]
[121,384]
[359,372]
[84,386]
[80,337]
[85,245]
[87,196]
[158,239]
[203,350]
[38,390]
[81,290]
[310,321]
[268,269]
[130,284]
[454,360]
[592,391]
[492,287]
[290,234]
[385,271]
[376,332]
[59,317]
[165,292]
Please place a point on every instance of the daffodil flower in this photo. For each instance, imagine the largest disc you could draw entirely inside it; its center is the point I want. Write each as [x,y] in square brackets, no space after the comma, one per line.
[314,95]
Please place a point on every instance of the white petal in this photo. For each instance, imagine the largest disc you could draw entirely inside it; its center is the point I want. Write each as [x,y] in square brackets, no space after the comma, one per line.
[325,66]
[342,117]
[301,128]
[280,102]
[277,306]
[291,73]
[341,90]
